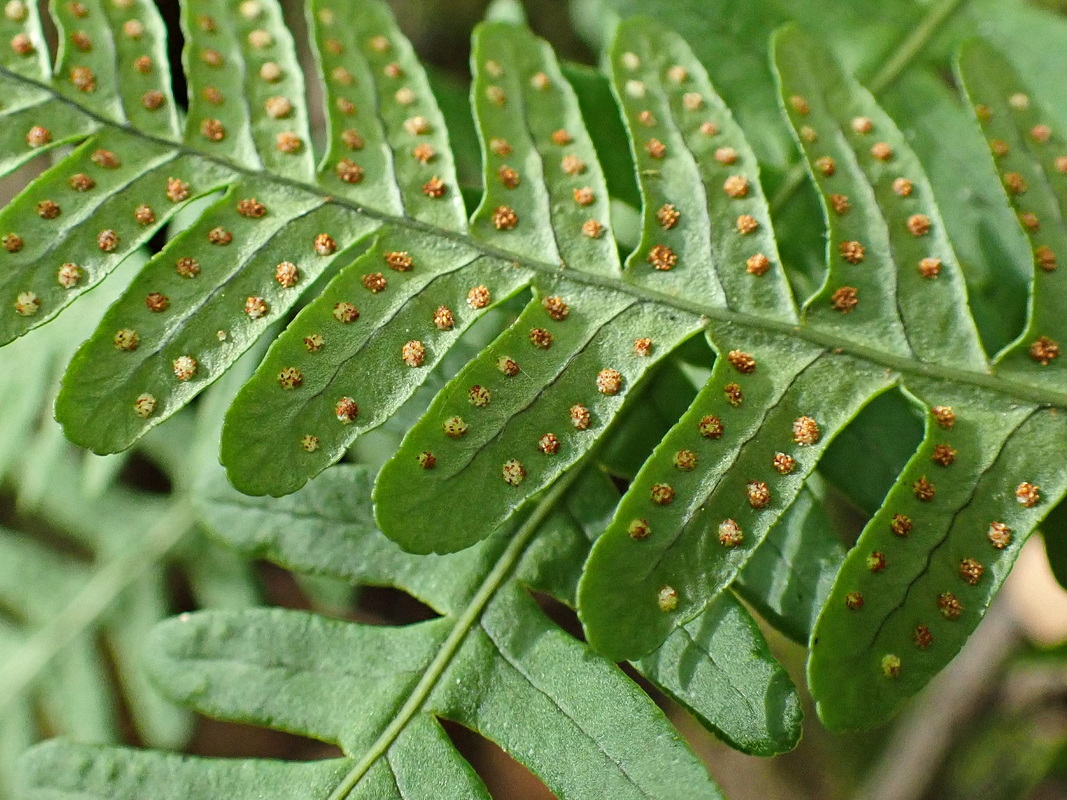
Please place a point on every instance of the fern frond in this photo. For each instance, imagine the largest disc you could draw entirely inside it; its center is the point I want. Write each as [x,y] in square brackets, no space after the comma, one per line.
[72,641]
[380,219]
[492,662]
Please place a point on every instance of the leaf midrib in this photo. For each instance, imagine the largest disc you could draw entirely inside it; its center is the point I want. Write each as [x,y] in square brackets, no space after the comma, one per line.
[462,627]
[903,365]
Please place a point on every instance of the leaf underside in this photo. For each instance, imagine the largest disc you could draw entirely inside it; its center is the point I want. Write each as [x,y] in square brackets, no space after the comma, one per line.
[379,220]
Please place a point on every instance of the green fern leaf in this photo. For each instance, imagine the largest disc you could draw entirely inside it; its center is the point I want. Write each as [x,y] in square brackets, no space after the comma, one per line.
[380,221]
[897,627]
[286,669]
[52,667]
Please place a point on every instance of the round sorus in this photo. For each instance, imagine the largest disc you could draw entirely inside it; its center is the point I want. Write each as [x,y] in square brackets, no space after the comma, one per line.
[80,182]
[923,490]
[747,224]
[741,361]
[734,395]
[48,209]
[454,427]
[434,188]
[504,218]
[187,267]
[806,431]
[508,177]
[1044,350]
[346,410]
[971,571]
[944,455]
[349,171]
[845,299]
[930,267]
[891,665]
[185,367]
[250,207]
[443,319]
[144,405]
[580,416]
[401,261]
[374,282]
[288,142]
[639,529]
[478,297]
[556,308]
[900,525]
[290,378]
[126,339]
[178,190]
[69,275]
[662,258]
[667,599]
[784,463]
[479,396]
[730,534]
[548,444]
[256,307]
[999,535]
[287,274]
[38,136]
[667,216]
[949,605]
[513,472]
[609,381]
[325,244]
[710,427]
[1027,494]
[757,494]
[757,264]
[918,224]
[685,460]
[882,151]
[351,139]
[922,637]
[662,494]
[345,312]
[27,304]
[540,338]
[852,251]
[413,353]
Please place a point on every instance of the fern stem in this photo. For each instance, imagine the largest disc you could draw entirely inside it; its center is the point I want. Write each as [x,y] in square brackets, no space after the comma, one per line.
[500,572]
[93,600]
[912,46]
[886,76]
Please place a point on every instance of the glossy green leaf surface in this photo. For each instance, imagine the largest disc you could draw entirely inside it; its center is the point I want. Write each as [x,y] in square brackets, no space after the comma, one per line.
[1029,158]
[327,528]
[71,651]
[789,576]
[416,325]
[929,562]
[286,669]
